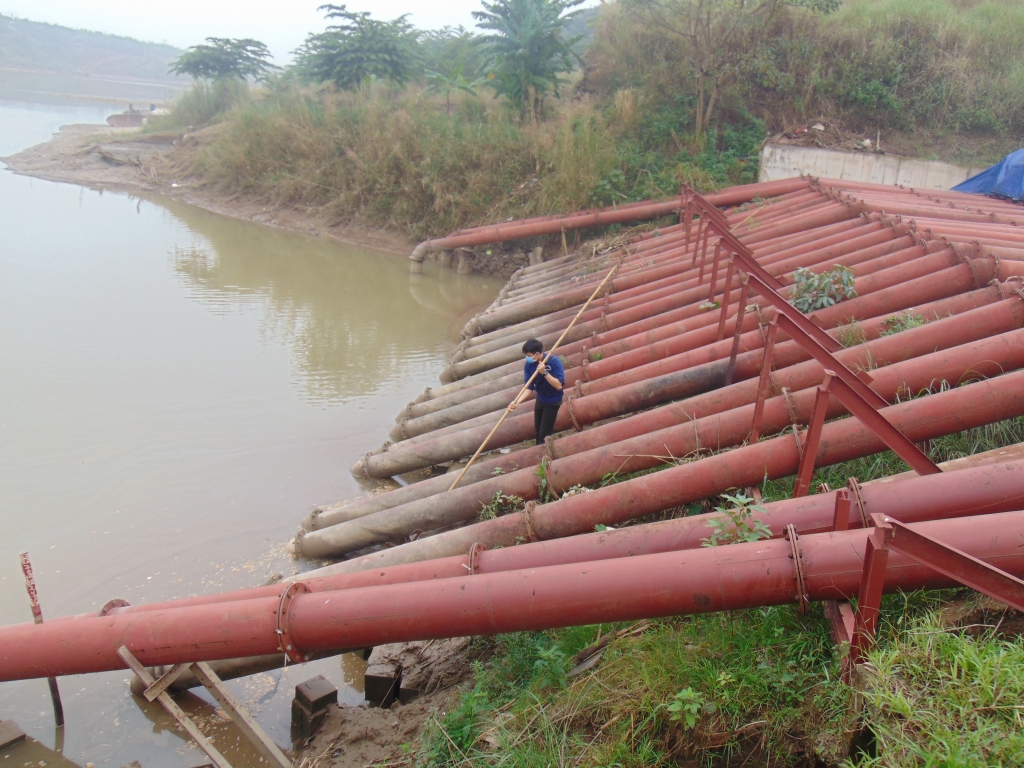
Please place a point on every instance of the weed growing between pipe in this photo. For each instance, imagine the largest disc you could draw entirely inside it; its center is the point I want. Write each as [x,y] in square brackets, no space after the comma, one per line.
[501,504]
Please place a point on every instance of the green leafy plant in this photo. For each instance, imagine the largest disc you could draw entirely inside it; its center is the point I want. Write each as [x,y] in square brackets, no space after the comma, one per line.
[500,504]
[551,667]
[735,526]
[686,705]
[358,48]
[543,489]
[904,321]
[221,58]
[817,291]
[447,85]
[527,54]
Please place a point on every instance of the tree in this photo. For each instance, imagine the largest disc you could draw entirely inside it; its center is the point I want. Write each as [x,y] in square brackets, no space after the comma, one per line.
[448,48]
[722,37]
[358,48]
[222,58]
[449,84]
[527,54]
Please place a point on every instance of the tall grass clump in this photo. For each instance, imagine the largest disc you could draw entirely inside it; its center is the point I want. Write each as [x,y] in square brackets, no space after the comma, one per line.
[395,157]
[201,105]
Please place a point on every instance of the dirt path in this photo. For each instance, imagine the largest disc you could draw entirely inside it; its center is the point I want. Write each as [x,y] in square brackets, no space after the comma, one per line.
[101,157]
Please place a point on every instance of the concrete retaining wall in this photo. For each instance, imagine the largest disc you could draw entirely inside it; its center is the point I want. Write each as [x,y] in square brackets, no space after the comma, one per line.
[780,161]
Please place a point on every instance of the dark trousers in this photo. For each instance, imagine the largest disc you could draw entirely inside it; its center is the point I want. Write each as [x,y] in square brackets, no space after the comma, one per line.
[544,415]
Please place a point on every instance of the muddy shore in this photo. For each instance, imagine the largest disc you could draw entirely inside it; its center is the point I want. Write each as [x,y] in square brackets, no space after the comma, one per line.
[126,160]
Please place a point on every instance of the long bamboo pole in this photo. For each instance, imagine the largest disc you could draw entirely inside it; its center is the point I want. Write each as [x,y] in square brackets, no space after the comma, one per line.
[522,393]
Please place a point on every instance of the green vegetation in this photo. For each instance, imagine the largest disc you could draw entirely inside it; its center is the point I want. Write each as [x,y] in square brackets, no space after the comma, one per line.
[527,53]
[426,132]
[760,685]
[358,48]
[221,58]
[813,291]
[733,525]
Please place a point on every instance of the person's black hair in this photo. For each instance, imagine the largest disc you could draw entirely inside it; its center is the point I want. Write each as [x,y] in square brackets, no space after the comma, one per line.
[533,345]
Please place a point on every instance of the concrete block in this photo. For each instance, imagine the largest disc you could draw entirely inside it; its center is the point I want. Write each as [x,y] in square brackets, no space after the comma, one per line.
[305,723]
[382,682]
[316,694]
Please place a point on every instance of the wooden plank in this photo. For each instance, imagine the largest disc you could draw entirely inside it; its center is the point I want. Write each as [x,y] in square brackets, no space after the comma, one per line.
[152,693]
[242,718]
[176,712]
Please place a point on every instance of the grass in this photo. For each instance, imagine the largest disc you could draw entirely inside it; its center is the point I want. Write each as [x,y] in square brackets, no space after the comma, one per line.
[757,687]
[940,698]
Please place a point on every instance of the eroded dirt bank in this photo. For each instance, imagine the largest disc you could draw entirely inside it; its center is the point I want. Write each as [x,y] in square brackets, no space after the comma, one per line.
[102,157]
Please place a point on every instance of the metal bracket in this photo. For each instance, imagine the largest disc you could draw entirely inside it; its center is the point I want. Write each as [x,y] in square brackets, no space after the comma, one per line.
[740,311]
[841,516]
[156,690]
[869,417]
[726,291]
[285,644]
[766,376]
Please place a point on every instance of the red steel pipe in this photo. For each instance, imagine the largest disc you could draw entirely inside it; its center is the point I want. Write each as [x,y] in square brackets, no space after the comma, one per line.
[648,586]
[978,490]
[944,413]
[708,428]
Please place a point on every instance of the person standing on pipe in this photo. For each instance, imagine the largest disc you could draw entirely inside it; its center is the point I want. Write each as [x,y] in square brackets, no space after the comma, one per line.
[548,386]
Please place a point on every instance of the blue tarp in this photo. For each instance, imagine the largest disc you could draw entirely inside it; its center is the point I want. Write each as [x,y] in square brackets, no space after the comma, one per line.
[1004,179]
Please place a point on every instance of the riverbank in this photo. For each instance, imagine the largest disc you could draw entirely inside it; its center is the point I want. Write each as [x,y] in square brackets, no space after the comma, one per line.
[150,164]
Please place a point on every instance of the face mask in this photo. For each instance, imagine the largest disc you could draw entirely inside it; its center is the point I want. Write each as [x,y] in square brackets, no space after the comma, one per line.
[529,359]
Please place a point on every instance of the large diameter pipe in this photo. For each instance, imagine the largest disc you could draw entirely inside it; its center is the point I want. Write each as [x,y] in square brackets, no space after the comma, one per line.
[974,490]
[723,430]
[618,215]
[676,381]
[926,418]
[648,586]
[636,424]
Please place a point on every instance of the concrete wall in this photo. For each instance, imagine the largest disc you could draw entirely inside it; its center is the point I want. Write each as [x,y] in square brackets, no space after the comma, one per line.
[780,161]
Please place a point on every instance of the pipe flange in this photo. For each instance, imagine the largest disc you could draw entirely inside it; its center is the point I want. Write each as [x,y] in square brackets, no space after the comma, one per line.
[284,640]
[531,533]
[585,365]
[111,605]
[579,387]
[474,557]
[854,485]
[797,557]
[362,466]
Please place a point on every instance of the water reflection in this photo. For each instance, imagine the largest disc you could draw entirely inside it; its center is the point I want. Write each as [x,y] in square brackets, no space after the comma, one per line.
[352,318]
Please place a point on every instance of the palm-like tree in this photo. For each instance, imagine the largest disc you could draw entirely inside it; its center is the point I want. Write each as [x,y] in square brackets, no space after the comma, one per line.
[527,53]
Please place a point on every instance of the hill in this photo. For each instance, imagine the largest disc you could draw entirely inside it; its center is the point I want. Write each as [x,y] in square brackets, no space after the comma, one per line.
[35,46]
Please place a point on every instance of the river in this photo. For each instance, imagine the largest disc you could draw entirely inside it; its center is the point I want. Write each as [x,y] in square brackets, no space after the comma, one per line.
[177,389]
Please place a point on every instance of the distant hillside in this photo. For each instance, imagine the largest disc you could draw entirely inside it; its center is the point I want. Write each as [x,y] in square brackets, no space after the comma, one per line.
[32,45]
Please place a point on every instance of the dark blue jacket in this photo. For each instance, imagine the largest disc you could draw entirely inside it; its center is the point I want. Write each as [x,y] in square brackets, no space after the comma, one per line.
[546,394]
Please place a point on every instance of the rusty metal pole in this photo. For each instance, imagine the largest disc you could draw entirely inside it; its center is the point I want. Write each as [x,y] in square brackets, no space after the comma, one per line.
[37,617]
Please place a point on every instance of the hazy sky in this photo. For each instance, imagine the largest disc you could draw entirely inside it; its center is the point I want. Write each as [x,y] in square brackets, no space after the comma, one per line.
[281,24]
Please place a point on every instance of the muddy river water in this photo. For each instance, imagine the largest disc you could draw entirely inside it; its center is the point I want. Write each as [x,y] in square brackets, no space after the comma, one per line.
[176,390]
